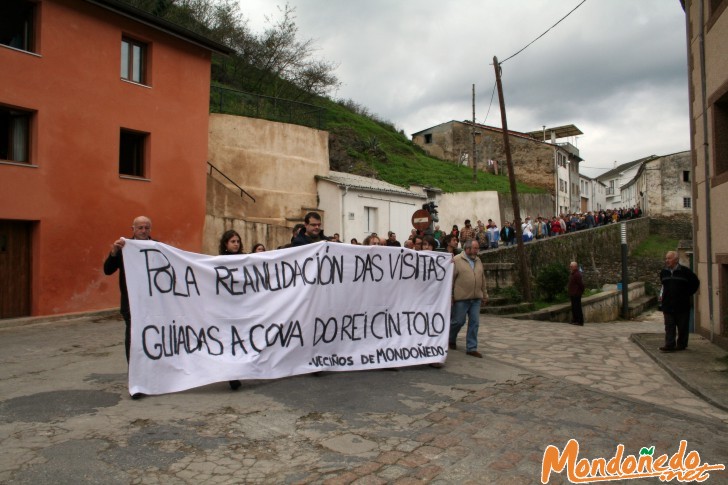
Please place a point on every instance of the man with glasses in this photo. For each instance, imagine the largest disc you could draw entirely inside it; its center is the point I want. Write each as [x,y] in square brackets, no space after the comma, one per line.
[311,232]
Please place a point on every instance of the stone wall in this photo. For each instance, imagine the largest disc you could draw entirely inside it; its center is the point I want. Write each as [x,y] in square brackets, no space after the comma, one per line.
[597,250]
[532,205]
[674,227]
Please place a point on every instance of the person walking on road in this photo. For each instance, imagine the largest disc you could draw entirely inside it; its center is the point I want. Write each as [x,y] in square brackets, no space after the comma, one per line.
[469,291]
[679,284]
[575,288]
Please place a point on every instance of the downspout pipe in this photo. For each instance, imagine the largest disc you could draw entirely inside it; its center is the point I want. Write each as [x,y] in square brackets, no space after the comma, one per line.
[706,168]
[343,210]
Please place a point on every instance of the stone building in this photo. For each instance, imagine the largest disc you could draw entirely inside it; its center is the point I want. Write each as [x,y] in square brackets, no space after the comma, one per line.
[615,178]
[707,34]
[662,186]
[537,158]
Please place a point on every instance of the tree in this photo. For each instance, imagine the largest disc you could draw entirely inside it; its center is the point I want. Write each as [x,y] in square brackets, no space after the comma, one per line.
[274,62]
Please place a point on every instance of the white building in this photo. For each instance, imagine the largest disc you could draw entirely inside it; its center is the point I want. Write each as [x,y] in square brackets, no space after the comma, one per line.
[661,186]
[357,206]
[593,194]
[617,177]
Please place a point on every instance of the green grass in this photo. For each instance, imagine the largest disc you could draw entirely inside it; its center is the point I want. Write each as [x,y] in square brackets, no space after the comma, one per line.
[655,246]
[395,159]
[375,148]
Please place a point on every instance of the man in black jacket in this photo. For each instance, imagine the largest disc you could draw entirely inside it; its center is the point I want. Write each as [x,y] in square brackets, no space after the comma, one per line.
[679,284]
[141,229]
[311,231]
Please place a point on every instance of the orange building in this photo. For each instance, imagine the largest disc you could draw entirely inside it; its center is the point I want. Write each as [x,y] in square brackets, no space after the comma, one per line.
[104,115]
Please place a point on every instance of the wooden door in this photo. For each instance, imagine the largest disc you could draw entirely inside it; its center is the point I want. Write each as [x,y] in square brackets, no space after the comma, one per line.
[15,268]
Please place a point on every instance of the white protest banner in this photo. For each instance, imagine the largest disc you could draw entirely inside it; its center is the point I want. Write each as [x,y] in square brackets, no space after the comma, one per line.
[200,319]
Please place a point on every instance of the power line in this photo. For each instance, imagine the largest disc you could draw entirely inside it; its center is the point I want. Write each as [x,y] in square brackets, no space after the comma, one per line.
[547,31]
[491,103]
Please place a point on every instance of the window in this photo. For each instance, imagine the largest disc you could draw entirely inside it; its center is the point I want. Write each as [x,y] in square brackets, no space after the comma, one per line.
[720,134]
[17,27]
[15,134]
[428,138]
[133,60]
[132,150]
[371,222]
[686,175]
[687,202]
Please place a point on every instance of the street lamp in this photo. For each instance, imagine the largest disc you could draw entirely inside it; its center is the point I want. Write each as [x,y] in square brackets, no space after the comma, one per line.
[625,282]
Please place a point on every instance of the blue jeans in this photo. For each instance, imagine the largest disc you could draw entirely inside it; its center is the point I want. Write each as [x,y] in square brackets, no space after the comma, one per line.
[460,309]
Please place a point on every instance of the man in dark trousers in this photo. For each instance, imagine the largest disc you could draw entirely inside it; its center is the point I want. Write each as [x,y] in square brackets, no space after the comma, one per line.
[141,229]
[679,284]
[575,288]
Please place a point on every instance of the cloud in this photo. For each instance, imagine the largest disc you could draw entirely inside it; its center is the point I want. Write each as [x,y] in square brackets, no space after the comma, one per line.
[617,69]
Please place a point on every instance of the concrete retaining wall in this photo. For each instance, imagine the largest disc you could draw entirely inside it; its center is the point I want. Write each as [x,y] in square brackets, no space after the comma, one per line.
[602,307]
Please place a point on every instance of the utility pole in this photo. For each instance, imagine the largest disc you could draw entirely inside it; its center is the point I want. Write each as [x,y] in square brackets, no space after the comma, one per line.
[472,132]
[520,250]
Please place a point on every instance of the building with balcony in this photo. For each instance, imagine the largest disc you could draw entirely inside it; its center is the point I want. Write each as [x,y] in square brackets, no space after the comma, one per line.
[538,159]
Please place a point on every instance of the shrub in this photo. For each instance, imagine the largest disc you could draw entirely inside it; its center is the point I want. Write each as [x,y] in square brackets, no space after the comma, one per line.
[551,280]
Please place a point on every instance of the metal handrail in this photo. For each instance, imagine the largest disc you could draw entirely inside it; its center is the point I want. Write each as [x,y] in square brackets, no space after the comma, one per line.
[242,191]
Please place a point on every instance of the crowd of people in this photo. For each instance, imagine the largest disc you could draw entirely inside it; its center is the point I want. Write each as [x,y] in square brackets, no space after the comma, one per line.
[489,235]
[679,283]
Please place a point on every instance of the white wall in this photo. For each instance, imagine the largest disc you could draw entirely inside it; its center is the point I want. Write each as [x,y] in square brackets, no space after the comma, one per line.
[455,208]
[378,212]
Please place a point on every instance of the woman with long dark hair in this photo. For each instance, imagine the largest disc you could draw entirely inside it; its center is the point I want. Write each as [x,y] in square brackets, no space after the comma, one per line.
[231,243]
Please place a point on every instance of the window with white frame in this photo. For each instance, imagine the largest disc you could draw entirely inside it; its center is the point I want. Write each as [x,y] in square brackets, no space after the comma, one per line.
[371,219]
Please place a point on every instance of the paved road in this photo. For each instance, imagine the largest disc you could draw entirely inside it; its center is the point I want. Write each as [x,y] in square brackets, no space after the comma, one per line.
[65,414]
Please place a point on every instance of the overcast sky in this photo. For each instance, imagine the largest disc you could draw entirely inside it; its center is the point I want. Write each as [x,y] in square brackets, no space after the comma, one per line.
[617,69]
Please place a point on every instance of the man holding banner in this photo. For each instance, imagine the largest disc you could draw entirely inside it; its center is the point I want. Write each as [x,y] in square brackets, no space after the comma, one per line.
[311,231]
[468,291]
[141,229]
[202,319]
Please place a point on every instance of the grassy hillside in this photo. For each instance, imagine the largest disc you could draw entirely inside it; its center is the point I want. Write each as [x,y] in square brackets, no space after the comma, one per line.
[359,143]
[364,146]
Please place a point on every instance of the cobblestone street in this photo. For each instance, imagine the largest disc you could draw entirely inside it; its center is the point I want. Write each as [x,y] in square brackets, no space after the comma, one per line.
[66,417]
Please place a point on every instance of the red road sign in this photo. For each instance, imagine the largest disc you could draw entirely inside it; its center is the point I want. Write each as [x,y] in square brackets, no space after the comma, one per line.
[421,219]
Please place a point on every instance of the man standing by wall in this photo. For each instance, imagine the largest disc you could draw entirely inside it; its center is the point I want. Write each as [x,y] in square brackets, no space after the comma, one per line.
[469,290]
[575,288]
[679,284]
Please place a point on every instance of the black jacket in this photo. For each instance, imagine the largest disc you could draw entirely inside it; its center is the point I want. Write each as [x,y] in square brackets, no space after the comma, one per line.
[678,287]
[301,239]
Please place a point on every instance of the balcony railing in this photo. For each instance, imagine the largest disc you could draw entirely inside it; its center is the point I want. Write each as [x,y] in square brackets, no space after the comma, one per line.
[610,190]
[240,103]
